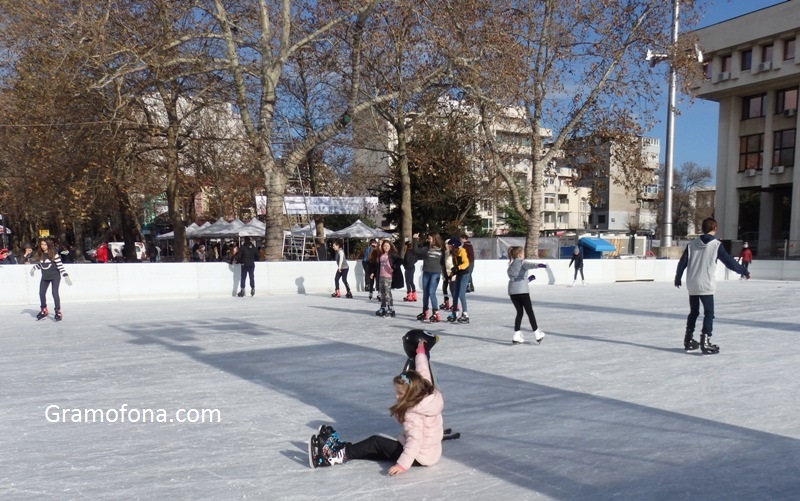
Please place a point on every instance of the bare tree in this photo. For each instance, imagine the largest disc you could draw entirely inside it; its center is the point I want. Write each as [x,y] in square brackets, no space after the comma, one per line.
[575,69]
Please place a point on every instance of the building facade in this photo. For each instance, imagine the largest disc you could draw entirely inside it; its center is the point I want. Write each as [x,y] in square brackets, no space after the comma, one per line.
[753,72]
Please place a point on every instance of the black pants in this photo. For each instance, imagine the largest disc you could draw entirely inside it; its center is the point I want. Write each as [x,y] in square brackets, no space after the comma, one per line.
[522,302]
[376,448]
[694,312]
[410,285]
[369,283]
[577,269]
[343,275]
[248,269]
[43,285]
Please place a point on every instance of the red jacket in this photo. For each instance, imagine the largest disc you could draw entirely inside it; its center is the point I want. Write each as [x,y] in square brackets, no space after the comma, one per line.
[746,256]
[102,254]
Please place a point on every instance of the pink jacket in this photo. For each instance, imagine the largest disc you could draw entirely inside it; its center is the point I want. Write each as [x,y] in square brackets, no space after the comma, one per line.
[423,428]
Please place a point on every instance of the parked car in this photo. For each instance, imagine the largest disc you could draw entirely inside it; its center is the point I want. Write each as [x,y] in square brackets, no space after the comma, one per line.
[115,252]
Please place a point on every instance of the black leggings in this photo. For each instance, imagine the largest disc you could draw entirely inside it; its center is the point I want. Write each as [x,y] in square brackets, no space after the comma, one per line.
[523,302]
[577,269]
[343,275]
[376,448]
[43,285]
[410,285]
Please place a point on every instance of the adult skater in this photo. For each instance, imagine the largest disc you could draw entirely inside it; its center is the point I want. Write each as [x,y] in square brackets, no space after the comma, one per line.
[577,258]
[746,257]
[46,259]
[418,408]
[369,278]
[431,256]
[700,262]
[342,268]
[519,293]
[246,255]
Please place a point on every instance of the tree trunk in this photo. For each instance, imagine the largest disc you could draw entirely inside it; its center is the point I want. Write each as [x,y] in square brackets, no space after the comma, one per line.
[406,220]
[275,182]
[128,224]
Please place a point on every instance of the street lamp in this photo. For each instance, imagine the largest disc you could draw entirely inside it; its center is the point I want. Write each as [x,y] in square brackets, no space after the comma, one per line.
[666,232]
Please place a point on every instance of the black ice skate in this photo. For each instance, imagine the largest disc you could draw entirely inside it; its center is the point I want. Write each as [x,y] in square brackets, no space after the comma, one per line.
[434,317]
[241,293]
[42,313]
[336,294]
[445,305]
[689,342]
[423,316]
[452,316]
[252,292]
[58,316]
[463,319]
[349,295]
[706,346]
[381,312]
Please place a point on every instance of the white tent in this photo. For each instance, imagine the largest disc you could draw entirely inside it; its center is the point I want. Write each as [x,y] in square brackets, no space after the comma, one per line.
[308,231]
[359,230]
[216,229]
[253,228]
[190,230]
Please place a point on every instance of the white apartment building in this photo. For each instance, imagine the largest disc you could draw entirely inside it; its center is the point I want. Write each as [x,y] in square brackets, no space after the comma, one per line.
[615,208]
[753,72]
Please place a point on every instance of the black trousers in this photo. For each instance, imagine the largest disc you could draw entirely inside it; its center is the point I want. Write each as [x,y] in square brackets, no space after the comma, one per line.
[522,302]
[248,270]
[43,285]
[694,312]
[376,448]
[410,285]
[343,275]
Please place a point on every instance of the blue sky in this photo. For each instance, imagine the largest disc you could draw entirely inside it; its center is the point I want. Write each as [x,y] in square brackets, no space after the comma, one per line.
[696,126]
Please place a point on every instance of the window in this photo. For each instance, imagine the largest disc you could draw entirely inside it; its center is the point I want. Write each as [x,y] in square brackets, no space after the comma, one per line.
[786,99]
[487,225]
[563,199]
[549,198]
[766,53]
[747,59]
[751,152]
[727,63]
[783,152]
[788,49]
[601,219]
[753,106]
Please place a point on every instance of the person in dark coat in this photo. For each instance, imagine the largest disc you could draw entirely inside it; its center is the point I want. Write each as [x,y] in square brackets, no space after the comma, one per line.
[577,258]
[246,256]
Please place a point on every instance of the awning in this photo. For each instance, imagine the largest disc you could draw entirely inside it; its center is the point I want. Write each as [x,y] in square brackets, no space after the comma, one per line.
[596,244]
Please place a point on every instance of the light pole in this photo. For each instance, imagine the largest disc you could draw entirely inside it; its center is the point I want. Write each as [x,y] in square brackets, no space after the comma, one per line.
[666,232]
[666,219]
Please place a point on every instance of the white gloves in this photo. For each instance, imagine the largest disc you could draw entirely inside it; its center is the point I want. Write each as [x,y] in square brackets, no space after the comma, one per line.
[68,280]
[33,270]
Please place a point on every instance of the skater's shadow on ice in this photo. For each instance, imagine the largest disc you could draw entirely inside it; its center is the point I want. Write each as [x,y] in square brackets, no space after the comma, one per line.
[616,341]
[32,313]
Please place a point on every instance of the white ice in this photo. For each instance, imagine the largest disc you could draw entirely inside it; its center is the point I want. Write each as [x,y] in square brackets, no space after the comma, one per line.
[609,406]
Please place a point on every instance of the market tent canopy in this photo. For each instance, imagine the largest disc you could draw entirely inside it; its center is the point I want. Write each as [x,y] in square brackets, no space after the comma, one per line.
[216,229]
[359,230]
[253,228]
[308,231]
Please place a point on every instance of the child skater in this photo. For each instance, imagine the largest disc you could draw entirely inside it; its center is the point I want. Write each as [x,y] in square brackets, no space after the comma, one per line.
[461,271]
[341,269]
[699,260]
[577,258]
[449,278]
[46,259]
[409,265]
[387,265]
[518,280]
[418,408]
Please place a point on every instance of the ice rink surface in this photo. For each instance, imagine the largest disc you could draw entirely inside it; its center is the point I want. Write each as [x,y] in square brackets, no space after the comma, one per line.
[609,406]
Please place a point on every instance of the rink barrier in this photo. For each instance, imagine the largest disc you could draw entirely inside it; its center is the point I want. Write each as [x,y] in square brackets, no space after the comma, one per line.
[138,281]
